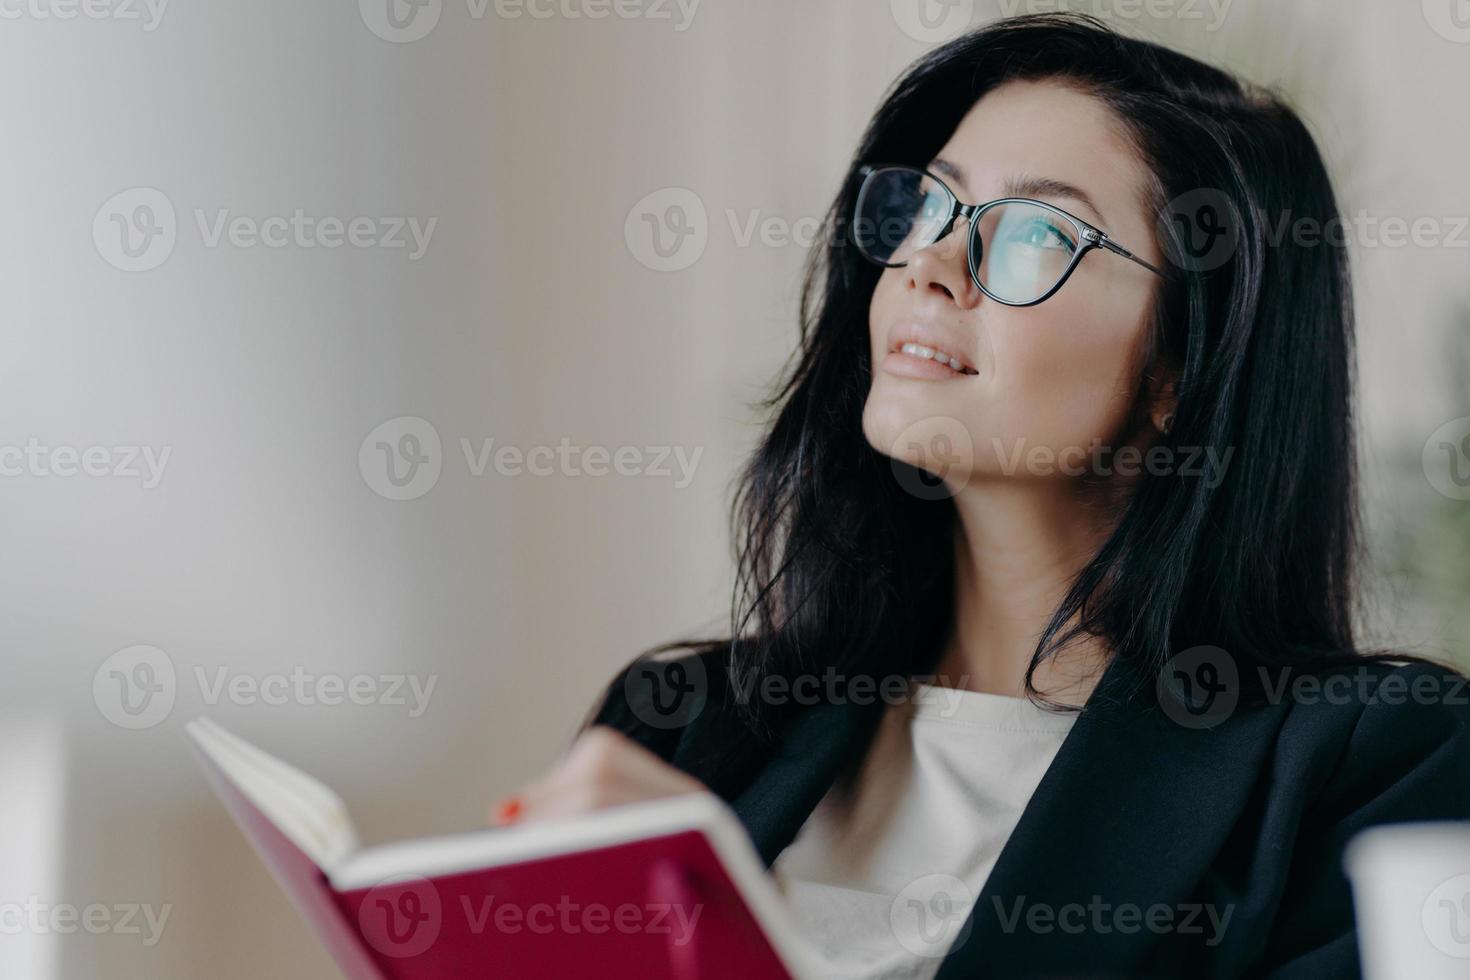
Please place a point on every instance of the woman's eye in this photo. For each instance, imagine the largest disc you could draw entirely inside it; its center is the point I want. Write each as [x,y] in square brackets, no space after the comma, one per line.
[1044,234]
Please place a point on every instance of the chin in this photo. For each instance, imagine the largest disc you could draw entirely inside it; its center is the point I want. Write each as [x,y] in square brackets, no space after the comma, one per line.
[922,436]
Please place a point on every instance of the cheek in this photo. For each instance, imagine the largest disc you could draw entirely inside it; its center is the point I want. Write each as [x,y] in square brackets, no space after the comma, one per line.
[1064,370]
[882,309]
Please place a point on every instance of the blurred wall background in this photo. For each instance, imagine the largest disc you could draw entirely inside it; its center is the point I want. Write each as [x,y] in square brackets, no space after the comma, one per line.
[249,413]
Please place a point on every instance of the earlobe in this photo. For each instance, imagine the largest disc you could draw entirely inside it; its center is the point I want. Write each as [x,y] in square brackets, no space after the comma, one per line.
[1165,401]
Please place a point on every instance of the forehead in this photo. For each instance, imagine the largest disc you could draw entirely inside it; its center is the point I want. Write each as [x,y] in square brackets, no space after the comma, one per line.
[1051,130]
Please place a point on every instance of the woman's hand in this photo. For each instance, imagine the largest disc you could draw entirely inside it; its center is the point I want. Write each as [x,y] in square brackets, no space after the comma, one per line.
[603,768]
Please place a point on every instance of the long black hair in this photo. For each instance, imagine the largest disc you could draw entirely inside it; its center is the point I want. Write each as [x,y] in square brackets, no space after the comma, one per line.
[841,567]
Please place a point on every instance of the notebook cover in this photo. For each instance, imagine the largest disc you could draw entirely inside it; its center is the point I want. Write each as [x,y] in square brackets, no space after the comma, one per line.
[662,908]
[656,909]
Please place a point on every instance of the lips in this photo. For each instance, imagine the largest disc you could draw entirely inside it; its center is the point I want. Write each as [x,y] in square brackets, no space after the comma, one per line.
[929,353]
[927,342]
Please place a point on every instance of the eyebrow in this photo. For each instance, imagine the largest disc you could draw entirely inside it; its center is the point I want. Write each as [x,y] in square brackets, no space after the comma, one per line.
[1027,186]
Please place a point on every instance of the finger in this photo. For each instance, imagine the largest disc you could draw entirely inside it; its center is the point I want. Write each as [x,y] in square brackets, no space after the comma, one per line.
[603,768]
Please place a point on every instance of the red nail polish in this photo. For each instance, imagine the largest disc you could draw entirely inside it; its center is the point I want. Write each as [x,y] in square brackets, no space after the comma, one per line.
[509,811]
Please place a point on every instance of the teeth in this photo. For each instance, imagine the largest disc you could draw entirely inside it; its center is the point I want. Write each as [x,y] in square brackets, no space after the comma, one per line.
[919,350]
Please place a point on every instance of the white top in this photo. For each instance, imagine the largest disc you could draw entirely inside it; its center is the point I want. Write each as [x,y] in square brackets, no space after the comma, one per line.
[882,881]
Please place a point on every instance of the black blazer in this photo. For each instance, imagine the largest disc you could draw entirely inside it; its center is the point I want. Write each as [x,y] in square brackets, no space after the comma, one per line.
[1249,817]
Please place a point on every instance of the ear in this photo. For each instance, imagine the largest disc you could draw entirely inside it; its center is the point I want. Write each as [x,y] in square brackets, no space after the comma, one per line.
[1163,396]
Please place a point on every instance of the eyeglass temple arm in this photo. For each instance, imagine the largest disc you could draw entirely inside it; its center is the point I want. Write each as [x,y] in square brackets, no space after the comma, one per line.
[1101,238]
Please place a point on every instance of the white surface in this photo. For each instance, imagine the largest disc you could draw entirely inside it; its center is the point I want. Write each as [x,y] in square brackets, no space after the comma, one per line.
[32,797]
[1411,895]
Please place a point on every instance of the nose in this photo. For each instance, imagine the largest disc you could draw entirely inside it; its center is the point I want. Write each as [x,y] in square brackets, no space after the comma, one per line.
[944,268]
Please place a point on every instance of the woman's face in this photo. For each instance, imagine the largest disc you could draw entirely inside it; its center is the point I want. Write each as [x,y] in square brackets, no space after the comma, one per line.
[1060,377]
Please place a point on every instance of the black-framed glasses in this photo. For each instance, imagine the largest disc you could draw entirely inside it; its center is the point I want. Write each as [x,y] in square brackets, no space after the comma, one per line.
[1020,251]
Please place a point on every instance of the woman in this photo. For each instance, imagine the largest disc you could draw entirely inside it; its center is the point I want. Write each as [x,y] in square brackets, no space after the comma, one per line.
[1042,660]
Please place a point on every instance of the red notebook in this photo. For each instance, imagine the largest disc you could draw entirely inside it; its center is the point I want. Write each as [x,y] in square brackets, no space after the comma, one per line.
[670,889]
